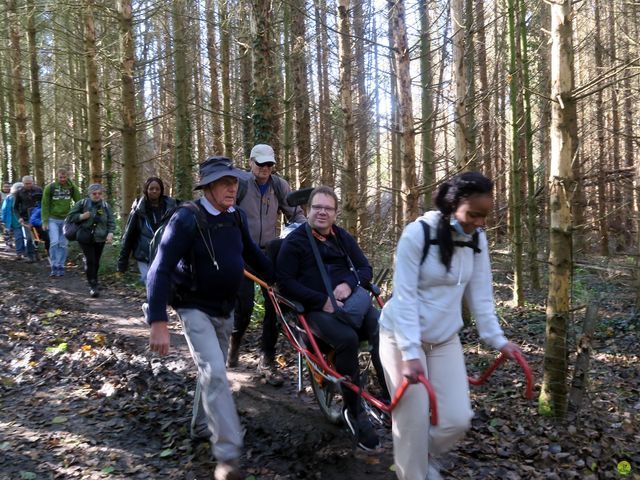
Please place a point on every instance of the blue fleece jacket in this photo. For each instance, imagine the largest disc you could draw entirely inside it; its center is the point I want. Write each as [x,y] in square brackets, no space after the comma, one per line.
[298,274]
[216,287]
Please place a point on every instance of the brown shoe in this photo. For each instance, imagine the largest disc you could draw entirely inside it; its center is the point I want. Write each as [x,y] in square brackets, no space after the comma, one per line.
[268,368]
[228,471]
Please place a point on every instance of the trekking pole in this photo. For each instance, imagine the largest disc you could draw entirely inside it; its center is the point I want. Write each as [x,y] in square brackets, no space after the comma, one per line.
[480,379]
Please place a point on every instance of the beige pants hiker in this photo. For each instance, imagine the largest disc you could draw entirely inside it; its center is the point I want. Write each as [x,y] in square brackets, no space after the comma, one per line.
[208,339]
[414,438]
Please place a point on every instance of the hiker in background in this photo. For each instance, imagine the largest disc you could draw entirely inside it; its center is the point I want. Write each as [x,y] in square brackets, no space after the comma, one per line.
[11,222]
[201,258]
[25,201]
[37,232]
[96,227]
[420,323]
[146,215]
[7,232]
[57,199]
[262,196]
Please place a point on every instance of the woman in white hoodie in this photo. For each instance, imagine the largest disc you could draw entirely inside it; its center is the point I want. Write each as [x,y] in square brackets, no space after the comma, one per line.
[419,325]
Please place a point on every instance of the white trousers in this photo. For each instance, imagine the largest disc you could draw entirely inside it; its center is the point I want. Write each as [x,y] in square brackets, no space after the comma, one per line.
[414,438]
[208,339]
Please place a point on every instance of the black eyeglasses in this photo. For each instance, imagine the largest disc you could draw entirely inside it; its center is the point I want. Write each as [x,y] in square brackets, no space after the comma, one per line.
[322,208]
[267,164]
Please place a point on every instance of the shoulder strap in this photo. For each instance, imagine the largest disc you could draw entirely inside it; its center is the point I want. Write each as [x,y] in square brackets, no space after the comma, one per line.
[428,241]
[323,271]
[276,181]
[243,186]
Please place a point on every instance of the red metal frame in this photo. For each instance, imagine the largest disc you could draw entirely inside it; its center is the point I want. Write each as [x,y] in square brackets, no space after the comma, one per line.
[315,355]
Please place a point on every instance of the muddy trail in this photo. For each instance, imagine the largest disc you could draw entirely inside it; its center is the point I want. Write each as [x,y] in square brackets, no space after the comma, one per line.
[82,397]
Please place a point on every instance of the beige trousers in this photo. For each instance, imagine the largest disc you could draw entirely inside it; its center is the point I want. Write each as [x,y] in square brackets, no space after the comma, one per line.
[414,438]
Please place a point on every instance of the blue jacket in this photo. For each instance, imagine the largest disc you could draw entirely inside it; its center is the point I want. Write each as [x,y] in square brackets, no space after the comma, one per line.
[215,287]
[9,217]
[298,275]
[36,216]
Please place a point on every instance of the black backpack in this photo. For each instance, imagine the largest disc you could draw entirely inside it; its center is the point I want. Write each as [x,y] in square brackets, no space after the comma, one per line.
[428,241]
[201,223]
[276,181]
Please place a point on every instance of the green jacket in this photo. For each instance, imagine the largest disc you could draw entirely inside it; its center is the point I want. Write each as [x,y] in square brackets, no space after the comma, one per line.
[101,219]
[57,200]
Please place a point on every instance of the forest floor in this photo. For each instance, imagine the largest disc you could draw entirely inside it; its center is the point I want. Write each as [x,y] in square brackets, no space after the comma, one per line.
[82,397]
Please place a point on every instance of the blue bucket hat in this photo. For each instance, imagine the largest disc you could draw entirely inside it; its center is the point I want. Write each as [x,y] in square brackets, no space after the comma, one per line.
[214,168]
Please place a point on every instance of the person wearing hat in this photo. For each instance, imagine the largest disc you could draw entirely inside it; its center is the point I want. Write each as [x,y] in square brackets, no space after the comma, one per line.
[262,197]
[202,255]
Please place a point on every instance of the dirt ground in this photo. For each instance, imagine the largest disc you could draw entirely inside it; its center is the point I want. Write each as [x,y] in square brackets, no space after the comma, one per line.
[82,397]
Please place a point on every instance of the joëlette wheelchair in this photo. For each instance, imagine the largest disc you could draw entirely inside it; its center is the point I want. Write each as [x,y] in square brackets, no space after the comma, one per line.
[316,357]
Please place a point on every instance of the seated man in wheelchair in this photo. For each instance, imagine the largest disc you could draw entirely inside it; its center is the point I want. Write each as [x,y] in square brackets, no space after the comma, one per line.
[321,266]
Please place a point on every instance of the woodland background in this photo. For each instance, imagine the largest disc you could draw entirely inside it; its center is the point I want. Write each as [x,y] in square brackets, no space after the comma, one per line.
[380,99]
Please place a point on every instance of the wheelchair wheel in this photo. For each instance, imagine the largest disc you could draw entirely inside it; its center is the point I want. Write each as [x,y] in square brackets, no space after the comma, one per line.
[327,395]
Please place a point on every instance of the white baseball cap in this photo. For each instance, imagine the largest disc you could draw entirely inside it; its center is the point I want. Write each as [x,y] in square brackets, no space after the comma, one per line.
[262,153]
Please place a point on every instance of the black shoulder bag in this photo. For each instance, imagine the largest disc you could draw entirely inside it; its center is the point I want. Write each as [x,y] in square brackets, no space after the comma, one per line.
[355,307]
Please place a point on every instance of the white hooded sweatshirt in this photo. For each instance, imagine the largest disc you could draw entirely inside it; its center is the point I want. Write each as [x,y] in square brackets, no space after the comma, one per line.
[426,306]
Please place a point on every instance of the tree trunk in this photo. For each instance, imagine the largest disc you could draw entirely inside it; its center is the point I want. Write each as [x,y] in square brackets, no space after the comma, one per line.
[405,110]
[553,396]
[183,145]
[21,145]
[515,204]
[484,160]
[580,381]
[324,105]
[214,99]
[287,167]
[36,100]
[462,150]
[362,118]
[301,93]
[428,119]
[532,210]
[225,54]
[93,93]
[128,99]
[603,224]
[349,200]
[617,220]
[264,89]
[4,134]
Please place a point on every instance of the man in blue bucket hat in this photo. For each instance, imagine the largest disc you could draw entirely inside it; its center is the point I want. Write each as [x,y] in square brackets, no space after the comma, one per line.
[198,269]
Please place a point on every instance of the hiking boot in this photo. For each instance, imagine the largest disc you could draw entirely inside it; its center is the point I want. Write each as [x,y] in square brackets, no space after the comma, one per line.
[364,433]
[234,352]
[61,271]
[54,272]
[228,471]
[268,368]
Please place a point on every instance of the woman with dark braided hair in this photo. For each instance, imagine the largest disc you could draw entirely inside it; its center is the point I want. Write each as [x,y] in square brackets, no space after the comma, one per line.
[419,325]
[144,219]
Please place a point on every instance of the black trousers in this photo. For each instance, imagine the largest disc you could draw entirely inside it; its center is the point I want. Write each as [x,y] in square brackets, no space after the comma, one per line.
[345,340]
[92,252]
[242,317]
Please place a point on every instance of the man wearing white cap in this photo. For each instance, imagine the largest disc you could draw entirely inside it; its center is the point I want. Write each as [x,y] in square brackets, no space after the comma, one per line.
[262,195]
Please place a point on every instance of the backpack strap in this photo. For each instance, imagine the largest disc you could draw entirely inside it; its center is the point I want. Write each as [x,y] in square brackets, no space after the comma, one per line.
[243,187]
[428,241]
